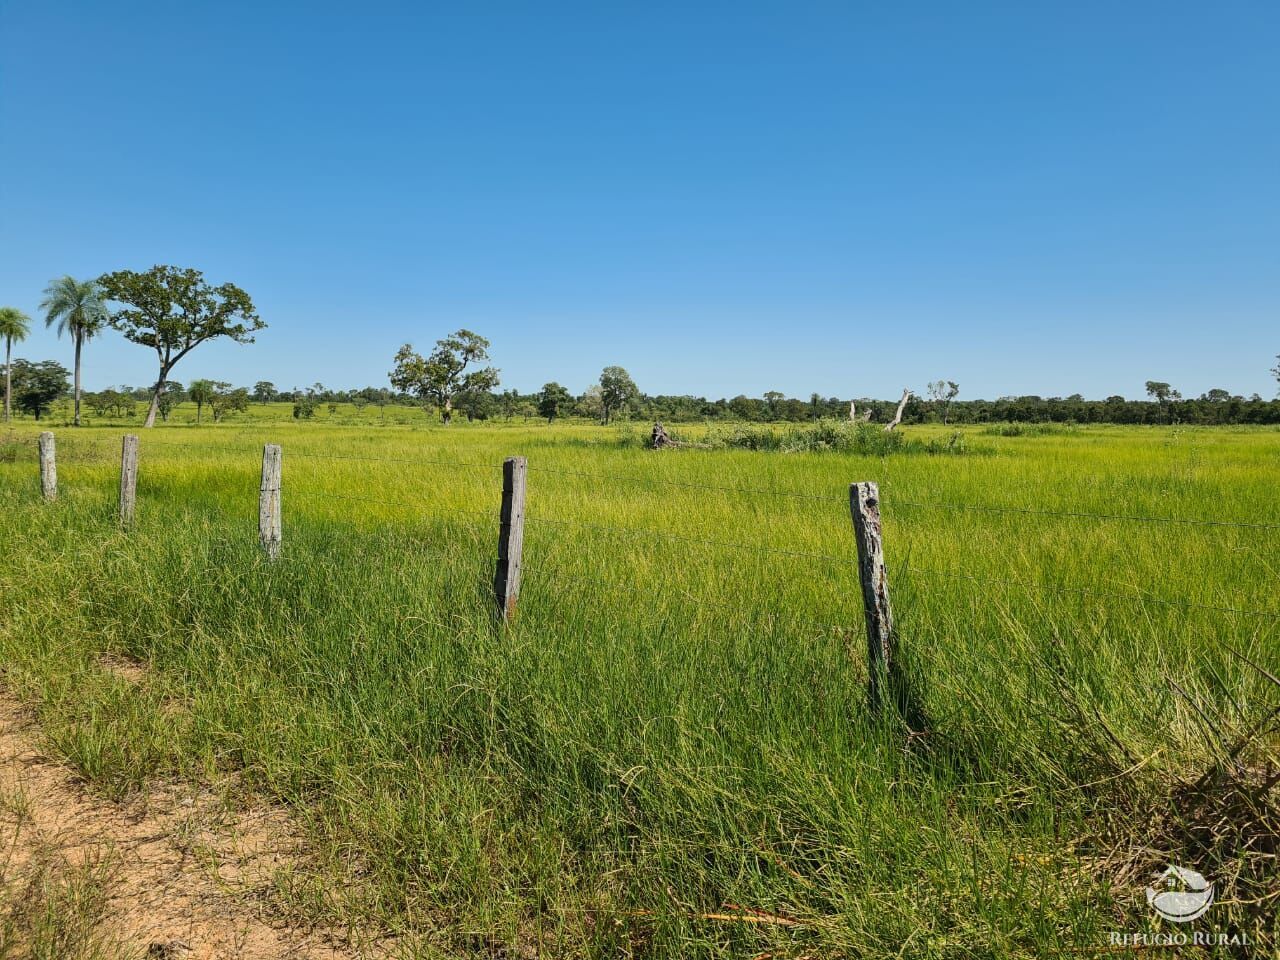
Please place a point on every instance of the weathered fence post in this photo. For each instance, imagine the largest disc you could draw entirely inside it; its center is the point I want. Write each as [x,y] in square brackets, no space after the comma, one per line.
[128,476]
[48,467]
[506,579]
[864,504]
[269,527]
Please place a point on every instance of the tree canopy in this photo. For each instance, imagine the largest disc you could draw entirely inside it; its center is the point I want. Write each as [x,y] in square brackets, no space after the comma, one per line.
[75,307]
[451,369]
[14,324]
[616,389]
[14,327]
[552,400]
[173,310]
[37,385]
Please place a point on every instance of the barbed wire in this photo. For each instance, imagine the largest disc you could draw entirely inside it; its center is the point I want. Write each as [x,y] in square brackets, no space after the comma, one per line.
[1077,514]
[765,491]
[449,515]
[905,570]
[1030,585]
[75,443]
[447,463]
[647,594]
[659,535]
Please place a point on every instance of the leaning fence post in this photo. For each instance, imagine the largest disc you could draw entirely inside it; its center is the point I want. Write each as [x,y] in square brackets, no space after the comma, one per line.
[506,579]
[48,467]
[864,504]
[128,476]
[269,501]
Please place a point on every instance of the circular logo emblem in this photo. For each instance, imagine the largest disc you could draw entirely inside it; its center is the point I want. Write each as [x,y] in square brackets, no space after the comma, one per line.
[1180,894]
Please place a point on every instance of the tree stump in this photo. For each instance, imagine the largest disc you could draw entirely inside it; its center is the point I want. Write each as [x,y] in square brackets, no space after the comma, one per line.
[660,439]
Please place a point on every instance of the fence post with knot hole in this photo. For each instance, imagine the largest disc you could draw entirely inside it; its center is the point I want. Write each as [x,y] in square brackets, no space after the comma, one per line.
[269,501]
[506,579]
[48,467]
[864,504]
[128,476]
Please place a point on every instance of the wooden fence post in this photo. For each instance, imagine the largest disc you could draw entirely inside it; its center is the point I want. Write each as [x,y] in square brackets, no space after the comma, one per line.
[48,467]
[864,504]
[506,579]
[269,526]
[128,476]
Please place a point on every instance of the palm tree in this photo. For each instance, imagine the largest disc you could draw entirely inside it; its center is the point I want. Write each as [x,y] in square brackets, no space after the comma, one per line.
[14,326]
[78,308]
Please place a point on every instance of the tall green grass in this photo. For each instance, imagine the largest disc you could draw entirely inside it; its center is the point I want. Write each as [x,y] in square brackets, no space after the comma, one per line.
[669,753]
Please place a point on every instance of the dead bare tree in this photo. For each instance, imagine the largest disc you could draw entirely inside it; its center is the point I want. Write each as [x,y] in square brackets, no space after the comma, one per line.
[897,417]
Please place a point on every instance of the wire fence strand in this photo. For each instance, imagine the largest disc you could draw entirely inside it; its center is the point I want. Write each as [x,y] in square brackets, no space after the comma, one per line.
[1030,585]
[755,491]
[890,500]
[479,519]
[679,538]
[1078,514]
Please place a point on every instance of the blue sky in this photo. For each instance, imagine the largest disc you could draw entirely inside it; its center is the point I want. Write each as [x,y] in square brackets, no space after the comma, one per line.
[722,197]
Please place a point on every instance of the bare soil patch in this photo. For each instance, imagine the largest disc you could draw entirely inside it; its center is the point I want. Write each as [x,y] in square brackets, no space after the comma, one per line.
[172,872]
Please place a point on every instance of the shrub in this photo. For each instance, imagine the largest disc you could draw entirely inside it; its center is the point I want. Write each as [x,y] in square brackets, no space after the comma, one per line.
[839,436]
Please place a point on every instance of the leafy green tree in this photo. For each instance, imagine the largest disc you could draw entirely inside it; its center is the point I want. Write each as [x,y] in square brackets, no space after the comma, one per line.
[227,400]
[172,393]
[14,327]
[590,404]
[616,389]
[1164,395]
[117,403]
[552,399]
[304,406]
[745,408]
[123,404]
[508,400]
[264,391]
[942,392]
[451,369]
[38,385]
[173,310]
[100,402]
[201,393]
[78,308]
[476,404]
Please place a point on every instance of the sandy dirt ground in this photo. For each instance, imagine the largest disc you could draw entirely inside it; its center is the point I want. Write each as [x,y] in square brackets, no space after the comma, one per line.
[181,876]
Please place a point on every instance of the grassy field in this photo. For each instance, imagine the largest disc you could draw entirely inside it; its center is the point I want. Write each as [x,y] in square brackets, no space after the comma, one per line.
[669,753]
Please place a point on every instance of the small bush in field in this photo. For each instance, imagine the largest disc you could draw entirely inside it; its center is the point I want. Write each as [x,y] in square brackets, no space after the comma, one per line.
[1026,429]
[838,436]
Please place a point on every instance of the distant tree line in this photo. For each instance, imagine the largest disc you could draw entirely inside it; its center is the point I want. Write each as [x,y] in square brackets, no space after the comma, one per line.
[36,386]
[173,310]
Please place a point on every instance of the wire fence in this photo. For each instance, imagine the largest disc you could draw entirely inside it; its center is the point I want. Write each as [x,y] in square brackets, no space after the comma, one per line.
[482,520]
[223,449]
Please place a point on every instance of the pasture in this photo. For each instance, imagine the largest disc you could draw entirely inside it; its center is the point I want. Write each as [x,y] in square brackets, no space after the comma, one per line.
[669,752]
